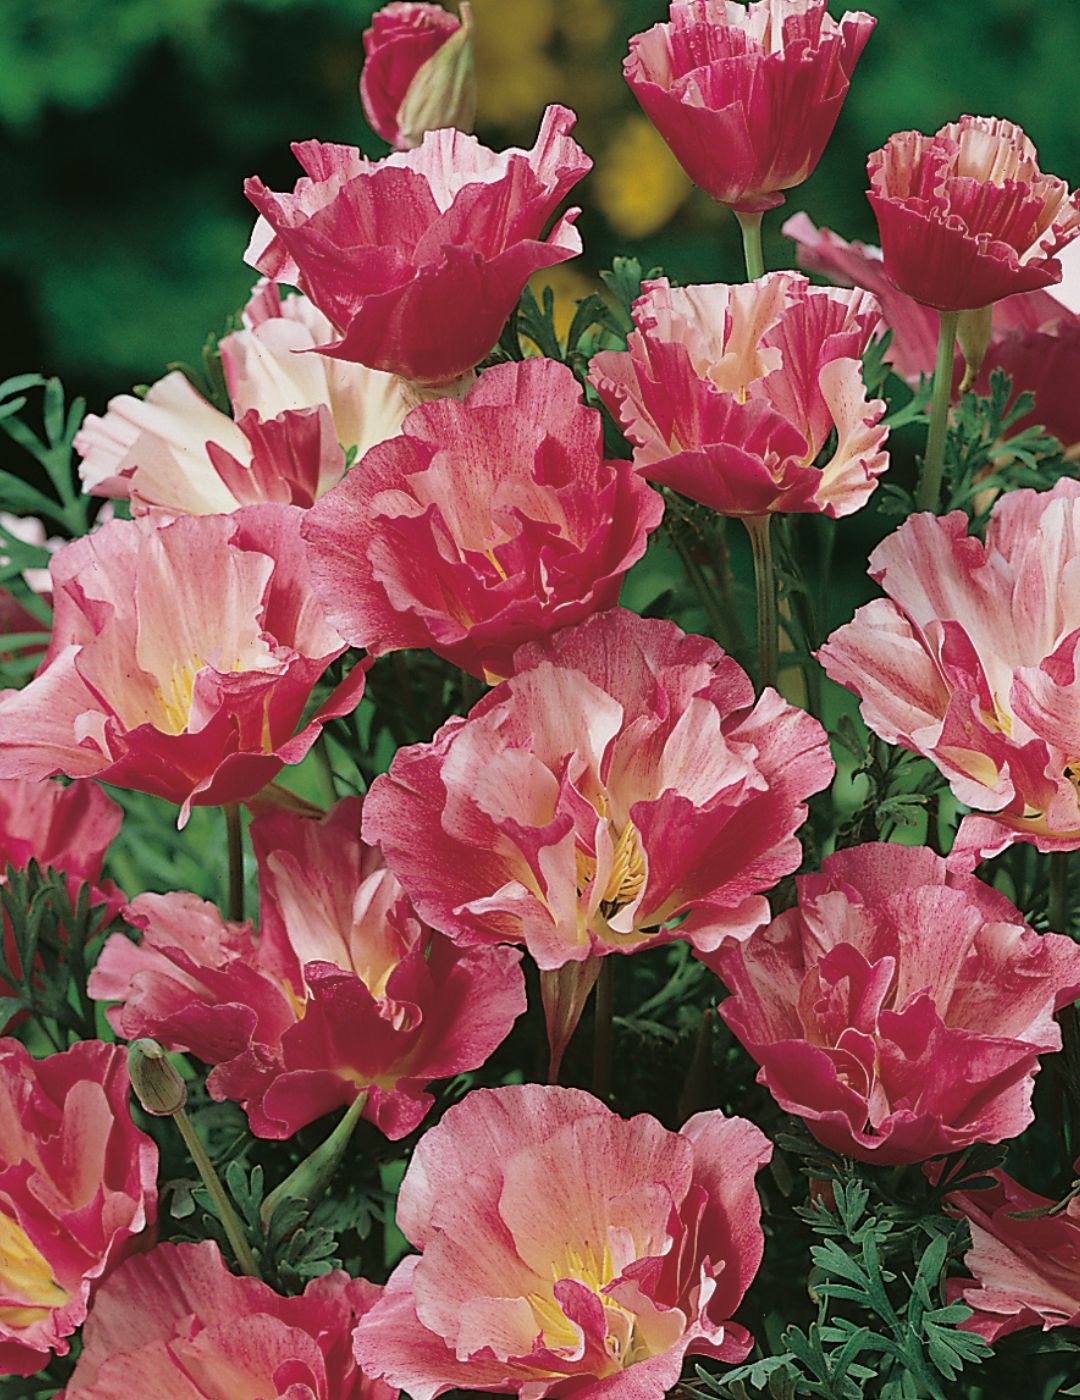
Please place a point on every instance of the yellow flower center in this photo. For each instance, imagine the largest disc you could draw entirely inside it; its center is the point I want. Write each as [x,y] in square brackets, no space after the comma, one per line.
[175,699]
[595,1271]
[25,1275]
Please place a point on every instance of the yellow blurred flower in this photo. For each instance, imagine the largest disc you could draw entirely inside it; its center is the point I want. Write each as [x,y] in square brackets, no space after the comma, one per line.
[515,76]
[638,182]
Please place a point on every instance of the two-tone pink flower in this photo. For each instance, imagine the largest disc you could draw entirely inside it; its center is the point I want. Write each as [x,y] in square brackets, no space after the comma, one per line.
[971,660]
[899,1008]
[343,992]
[565,1250]
[182,660]
[731,394]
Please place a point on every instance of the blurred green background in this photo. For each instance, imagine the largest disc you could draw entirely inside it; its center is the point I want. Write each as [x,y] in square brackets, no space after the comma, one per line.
[127,128]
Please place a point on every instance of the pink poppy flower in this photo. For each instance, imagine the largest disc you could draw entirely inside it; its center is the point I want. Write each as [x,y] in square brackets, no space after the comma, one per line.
[77,1187]
[181,661]
[344,991]
[567,1251]
[174,1324]
[971,662]
[622,789]
[966,217]
[730,394]
[419,259]
[900,1009]
[747,96]
[1026,1273]
[293,414]
[486,524]
[418,72]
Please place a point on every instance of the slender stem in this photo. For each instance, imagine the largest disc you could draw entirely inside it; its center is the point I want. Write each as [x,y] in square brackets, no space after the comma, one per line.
[750,228]
[233,1229]
[235,833]
[1059,891]
[603,1007]
[765,581]
[715,613]
[933,467]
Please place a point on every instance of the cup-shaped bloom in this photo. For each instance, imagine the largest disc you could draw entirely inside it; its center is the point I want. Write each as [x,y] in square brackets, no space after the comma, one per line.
[747,96]
[77,1187]
[175,1324]
[419,259]
[1025,1267]
[730,394]
[972,662]
[294,416]
[419,73]
[181,662]
[900,1009]
[565,1250]
[344,992]
[966,217]
[485,524]
[622,778]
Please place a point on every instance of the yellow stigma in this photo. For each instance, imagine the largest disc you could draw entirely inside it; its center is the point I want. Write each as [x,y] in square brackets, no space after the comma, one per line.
[595,1270]
[25,1275]
[627,872]
[175,701]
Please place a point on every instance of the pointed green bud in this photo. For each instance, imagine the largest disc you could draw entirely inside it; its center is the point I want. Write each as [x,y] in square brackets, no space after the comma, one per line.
[155,1079]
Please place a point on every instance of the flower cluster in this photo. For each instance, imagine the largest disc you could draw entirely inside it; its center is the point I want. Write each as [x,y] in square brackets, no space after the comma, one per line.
[406,584]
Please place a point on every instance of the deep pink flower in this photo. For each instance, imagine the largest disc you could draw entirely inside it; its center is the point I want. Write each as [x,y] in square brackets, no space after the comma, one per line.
[730,393]
[567,1251]
[913,349]
[345,991]
[900,1009]
[624,776]
[293,413]
[486,524]
[418,72]
[966,217]
[971,661]
[181,661]
[77,1186]
[174,1324]
[1026,1272]
[419,259]
[747,96]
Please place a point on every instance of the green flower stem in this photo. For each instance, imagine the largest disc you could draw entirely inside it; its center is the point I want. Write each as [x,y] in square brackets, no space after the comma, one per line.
[750,227]
[235,835]
[765,581]
[1059,891]
[933,468]
[603,1008]
[234,1231]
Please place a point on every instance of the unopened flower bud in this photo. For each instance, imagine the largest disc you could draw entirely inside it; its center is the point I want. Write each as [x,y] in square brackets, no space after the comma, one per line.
[973,333]
[419,72]
[158,1086]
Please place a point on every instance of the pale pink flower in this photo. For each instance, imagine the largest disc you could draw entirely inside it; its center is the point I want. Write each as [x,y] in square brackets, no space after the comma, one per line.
[730,394]
[966,217]
[1026,1272]
[486,524]
[295,414]
[77,1189]
[747,96]
[419,259]
[344,991]
[971,661]
[899,1009]
[182,660]
[174,1324]
[567,1251]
